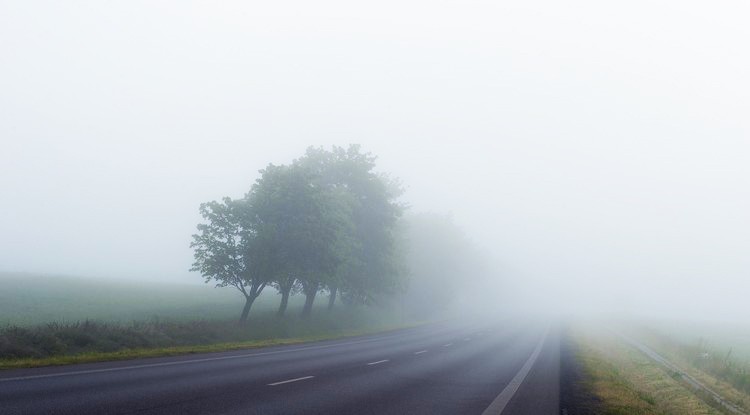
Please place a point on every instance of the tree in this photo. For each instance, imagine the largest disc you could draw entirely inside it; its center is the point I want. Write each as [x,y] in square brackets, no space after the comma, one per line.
[324,222]
[371,265]
[299,224]
[286,285]
[222,250]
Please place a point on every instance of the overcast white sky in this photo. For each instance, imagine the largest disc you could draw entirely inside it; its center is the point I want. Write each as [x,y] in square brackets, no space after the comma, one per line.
[589,144]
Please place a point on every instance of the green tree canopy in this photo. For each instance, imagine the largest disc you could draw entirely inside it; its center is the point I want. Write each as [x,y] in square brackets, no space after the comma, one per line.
[222,251]
[302,225]
[372,267]
[325,221]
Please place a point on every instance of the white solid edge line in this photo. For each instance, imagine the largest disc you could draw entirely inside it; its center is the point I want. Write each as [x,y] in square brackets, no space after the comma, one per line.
[420,352]
[185,362]
[290,380]
[378,362]
[501,401]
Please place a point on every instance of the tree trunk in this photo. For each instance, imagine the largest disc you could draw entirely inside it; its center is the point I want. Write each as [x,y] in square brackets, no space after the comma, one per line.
[332,298]
[284,301]
[246,309]
[310,293]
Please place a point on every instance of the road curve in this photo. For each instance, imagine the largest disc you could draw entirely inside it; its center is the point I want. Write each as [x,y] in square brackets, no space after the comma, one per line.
[500,368]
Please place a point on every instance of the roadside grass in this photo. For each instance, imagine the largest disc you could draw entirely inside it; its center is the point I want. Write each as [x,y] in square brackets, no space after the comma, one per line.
[718,337]
[49,320]
[59,342]
[125,354]
[627,382]
[720,371]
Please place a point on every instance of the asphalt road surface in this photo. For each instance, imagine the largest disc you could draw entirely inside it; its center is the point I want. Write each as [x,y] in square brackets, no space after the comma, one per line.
[502,368]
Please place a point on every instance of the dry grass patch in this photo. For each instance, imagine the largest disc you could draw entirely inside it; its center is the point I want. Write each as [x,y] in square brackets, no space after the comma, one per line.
[628,382]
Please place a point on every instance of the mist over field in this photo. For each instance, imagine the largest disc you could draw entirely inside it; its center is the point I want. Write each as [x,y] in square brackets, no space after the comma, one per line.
[595,156]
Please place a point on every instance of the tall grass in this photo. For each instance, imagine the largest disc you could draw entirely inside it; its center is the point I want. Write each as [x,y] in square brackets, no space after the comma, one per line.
[65,339]
[719,364]
[719,361]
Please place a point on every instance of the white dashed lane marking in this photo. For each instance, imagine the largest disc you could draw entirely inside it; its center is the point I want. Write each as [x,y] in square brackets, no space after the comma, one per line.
[290,381]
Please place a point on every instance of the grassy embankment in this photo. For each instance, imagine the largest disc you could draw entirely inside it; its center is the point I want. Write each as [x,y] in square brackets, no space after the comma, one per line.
[622,380]
[721,363]
[53,321]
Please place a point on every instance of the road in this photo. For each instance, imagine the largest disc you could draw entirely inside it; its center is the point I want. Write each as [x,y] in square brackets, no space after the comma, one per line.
[436,369]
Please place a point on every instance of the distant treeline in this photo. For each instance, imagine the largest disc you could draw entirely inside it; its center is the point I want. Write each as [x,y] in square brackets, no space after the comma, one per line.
[327,222]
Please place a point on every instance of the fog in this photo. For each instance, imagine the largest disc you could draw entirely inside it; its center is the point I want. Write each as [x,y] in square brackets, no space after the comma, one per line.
[597,152]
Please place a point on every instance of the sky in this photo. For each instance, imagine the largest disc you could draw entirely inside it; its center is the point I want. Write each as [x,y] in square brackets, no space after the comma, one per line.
[597,150]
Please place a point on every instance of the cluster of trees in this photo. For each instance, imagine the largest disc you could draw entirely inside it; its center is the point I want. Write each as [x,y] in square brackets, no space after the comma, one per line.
[325,222]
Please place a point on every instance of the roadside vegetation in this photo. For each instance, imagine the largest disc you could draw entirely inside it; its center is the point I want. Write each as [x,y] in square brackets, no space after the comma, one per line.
[86,341]
[619,379]
[713,365]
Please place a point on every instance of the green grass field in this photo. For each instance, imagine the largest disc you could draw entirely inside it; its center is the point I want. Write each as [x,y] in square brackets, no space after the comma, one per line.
[48,320]
[28,299]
